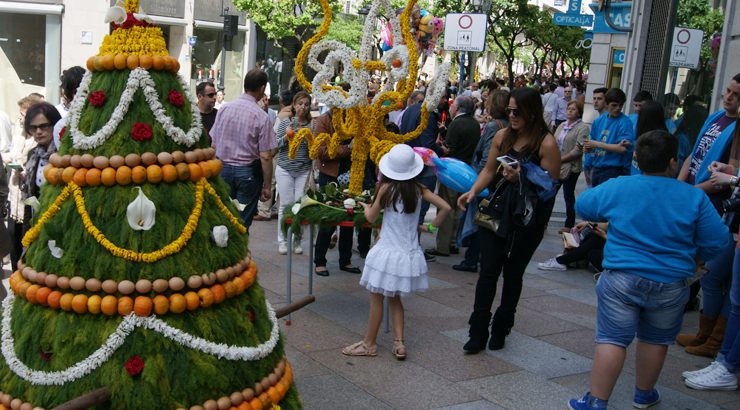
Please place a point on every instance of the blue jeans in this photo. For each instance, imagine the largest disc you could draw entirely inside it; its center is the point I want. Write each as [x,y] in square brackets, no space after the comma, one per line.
[729,354]
[630,305]
[715,283]
[245,183]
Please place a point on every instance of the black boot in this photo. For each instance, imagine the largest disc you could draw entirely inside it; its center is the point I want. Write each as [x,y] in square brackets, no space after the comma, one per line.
[478,332]
[502,323]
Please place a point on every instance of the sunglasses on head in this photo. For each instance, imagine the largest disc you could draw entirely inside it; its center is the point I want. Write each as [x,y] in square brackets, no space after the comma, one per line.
[514,112]
[42,127]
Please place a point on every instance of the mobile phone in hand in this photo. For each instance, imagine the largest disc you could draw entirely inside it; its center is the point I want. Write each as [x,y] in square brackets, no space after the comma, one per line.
[505,159]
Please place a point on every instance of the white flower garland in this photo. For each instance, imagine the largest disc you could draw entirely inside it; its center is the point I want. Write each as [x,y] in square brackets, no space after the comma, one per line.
[437,87]
[138,78]
[357,78]
[116,340]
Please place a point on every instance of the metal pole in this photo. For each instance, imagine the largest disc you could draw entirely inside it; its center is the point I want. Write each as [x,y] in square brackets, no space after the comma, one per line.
[289,269]
[461,81]
[310,258]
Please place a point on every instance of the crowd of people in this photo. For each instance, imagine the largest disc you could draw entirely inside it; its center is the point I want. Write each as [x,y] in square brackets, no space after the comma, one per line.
[526,145]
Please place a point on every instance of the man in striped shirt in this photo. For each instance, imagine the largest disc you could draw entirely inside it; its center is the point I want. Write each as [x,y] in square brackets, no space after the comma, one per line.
[244,140]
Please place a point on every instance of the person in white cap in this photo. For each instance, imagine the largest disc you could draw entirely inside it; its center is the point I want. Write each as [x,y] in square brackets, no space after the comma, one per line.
[395,266]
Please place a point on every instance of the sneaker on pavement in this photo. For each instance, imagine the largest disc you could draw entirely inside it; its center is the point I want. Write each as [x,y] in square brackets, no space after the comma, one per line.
[719,378]
[643,401]
[551,264]
[587,402]
[694,373]
[297,249]
[283,249]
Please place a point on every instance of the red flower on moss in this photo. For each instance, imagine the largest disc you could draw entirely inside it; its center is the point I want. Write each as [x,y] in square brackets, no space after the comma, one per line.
[61,133]
[97,98]
[134,366]
[45,356]
[250,315]
[175,98]
[141,131]
[351,211]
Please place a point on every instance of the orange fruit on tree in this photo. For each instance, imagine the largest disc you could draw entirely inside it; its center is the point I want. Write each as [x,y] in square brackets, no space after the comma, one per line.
[58,175]
[168,63]
[245,406]
[177,303]
[108,176]
[53,299]
[241,286]
[206,297]
[281,389]
[107,61]
[154,174]
[23,288]
[93,304]
[119,61]
[98,63]
[183,171]
[138,174]
[132,62]
[31,293]
[92,178]
[252,266]
[90,63]
[274,395]
[161,304]
[68,174]
[65,302]
[145,61]
[125,305]
[158,63]
[143,306]
[79,304]
[192,300]
[80,177]
[256,404]
[109,305]
[48,169]
[230,289]
[42,296]
[123,175]
[195,172]
[175,65]
[205,169]
[169,173]
[219,293]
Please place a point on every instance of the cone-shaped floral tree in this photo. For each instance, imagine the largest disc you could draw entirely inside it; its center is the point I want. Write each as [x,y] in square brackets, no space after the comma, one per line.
[137,276]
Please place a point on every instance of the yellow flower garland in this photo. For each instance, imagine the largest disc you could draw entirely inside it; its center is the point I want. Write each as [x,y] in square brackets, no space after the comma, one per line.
[127,254]
[132,6]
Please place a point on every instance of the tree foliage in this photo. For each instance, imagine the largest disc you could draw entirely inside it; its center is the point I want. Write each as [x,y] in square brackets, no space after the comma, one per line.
[347,29]
[699,15]
[285,18]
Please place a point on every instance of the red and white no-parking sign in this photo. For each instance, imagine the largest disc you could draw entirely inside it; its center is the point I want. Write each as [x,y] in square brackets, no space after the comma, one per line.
[686,47]
[465,32]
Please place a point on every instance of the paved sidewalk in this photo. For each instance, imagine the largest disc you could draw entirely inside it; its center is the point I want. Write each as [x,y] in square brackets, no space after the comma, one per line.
[546,360]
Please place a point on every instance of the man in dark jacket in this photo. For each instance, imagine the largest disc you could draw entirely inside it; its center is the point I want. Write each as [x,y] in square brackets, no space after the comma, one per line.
[462,137]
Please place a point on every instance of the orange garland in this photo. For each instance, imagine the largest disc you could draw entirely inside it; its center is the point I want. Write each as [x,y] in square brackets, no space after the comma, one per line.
[123,61]
[124,175]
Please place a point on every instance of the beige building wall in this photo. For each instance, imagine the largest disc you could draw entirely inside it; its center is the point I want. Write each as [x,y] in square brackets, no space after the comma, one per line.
[83,29]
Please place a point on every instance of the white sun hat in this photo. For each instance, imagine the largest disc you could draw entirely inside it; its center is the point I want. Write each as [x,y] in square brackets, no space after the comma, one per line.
[401,163]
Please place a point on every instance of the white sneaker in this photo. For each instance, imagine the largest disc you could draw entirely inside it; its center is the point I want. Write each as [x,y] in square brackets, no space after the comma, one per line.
[694,373]
[283,248]
[297,249]
[719,378]
[551,264]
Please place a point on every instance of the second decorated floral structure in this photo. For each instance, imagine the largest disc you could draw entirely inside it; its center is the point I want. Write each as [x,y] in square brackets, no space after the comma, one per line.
[137,277]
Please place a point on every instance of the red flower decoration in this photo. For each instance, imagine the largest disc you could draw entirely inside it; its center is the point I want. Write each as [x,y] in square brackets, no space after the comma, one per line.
[97,98]
[64,129]
[141,131]
[351,211]
[45,356]
[134,366]
[175,98]
[250,314]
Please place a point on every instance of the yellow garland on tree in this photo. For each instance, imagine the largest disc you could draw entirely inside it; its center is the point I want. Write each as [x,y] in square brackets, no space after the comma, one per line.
[127,254]
[364,124]
[132,6]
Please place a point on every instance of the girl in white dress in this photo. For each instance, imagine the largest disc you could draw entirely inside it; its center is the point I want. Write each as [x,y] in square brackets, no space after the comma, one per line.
[395,266]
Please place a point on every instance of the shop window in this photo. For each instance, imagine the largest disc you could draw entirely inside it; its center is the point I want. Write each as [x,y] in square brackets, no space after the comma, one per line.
[206,60]
[22,40]
[270,58]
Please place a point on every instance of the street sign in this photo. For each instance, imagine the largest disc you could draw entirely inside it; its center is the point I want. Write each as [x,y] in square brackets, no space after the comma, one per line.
[465,32]
[573,16]
[192,40]
[686,47]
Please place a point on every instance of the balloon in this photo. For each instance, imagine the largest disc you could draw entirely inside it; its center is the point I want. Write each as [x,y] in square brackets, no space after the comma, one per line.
[426,155]
[426,28]
[456,174]
[386,36]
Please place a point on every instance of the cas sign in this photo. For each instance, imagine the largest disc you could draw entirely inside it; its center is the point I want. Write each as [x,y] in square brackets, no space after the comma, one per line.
[465,32]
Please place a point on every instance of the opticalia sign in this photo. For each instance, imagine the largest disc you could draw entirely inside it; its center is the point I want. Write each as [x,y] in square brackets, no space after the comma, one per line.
[578,20]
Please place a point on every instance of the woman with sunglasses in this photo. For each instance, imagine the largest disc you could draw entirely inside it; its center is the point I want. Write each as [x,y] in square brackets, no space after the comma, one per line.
[39,123]
[525,139]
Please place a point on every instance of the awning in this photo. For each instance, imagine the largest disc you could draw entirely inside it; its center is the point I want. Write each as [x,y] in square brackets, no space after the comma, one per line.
[168,21]
[30,8]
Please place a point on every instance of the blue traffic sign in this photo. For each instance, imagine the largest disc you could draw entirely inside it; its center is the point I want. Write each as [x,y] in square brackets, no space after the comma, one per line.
[192,40]
[568,19]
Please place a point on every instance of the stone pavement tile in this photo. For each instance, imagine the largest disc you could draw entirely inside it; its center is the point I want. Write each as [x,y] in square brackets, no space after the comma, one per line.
[580,342]
[420,305]
[541,282]
[303,366]
[574,278]
[402,385]
[310,331]
[473,405]
[333,391]
[579,313]
[520,391]
[455,298]
[533,323]
[534,355]
[578,295]
[624,390]
[345,310]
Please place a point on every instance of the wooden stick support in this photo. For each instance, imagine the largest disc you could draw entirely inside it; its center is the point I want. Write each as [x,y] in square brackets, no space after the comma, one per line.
[287,309]
[86,401]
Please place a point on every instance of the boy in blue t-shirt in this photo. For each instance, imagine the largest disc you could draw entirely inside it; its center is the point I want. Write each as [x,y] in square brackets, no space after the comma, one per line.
[648,258]
[608,152]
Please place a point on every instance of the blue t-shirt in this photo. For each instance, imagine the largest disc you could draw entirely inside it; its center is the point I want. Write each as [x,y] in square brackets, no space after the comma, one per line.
[611,130]
[657,226]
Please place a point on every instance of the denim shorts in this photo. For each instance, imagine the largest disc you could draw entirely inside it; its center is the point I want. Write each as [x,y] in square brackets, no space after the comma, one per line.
[630,306]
